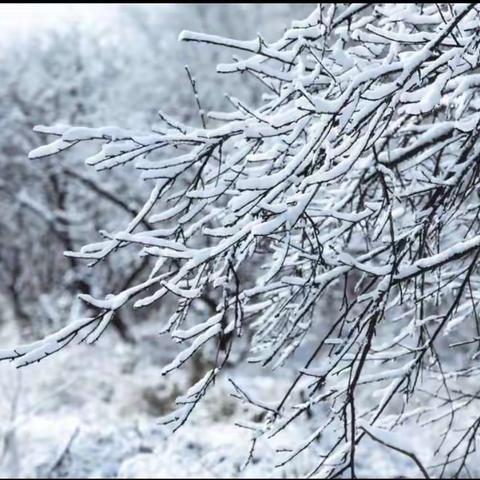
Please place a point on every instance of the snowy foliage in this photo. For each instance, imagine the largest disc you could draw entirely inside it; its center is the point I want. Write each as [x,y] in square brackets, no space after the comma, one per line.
[353,182]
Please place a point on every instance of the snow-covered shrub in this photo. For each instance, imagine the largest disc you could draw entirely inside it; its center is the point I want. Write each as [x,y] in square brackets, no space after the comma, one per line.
[355,179]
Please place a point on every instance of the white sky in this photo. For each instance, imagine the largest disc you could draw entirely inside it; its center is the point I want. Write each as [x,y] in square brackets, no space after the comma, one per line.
[21,19]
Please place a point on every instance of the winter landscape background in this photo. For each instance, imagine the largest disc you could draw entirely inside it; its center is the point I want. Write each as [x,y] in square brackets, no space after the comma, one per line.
[348,309]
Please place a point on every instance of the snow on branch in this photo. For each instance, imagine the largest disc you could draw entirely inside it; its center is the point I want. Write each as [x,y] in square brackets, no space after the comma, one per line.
[354,183]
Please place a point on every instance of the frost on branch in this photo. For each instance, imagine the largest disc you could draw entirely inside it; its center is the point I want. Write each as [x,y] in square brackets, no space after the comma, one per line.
[355,181]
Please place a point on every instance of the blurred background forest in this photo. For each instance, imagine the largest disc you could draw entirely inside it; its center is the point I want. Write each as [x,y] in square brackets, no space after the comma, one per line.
[91,411]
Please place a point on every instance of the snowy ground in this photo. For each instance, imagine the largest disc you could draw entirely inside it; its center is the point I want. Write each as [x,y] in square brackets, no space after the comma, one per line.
[92,412]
